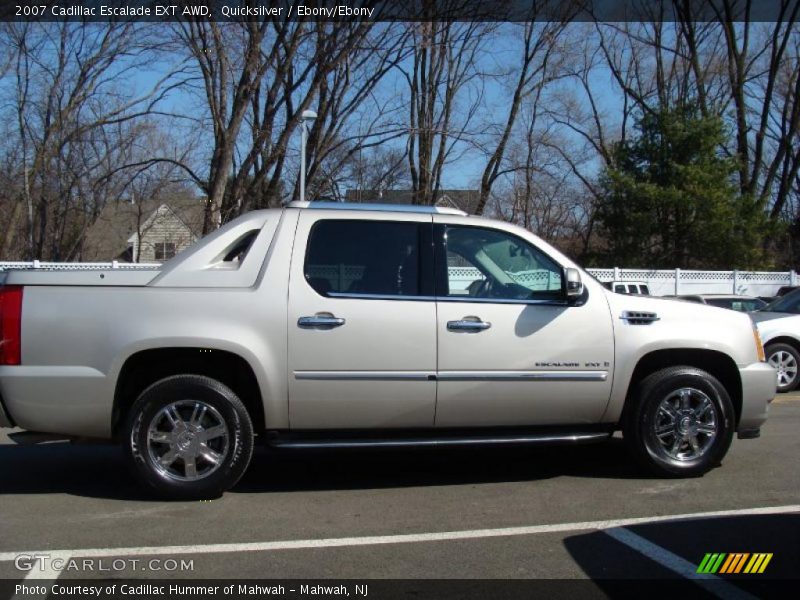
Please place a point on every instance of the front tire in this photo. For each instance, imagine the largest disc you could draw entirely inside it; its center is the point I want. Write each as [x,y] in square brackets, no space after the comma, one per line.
[189,437]
[681,422]
[785,359]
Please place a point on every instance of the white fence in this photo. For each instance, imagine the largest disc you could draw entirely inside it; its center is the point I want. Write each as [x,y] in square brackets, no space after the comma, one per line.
[671,281]
[661,282]
[677,281]
[460,278]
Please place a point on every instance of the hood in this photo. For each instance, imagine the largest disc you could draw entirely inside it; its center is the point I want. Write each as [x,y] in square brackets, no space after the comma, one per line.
[675,308]
[772,325]
[760,316]
[674,324]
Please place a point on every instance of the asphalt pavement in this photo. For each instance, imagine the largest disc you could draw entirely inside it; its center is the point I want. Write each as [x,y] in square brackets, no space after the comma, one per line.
[583,512]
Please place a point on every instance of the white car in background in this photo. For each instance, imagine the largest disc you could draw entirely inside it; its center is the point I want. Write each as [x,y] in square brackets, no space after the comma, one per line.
[729,301]
[779,326]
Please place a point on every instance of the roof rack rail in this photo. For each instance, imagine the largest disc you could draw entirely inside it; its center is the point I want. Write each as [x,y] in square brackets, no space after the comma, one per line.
[405,208]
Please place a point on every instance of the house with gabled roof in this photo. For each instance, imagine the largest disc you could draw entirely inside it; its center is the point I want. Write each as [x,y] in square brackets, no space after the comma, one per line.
[151,231]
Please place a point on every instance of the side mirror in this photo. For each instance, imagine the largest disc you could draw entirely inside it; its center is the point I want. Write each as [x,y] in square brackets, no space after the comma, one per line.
[574,283]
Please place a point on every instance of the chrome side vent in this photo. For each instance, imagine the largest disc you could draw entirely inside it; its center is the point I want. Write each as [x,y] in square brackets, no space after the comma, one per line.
[635,317]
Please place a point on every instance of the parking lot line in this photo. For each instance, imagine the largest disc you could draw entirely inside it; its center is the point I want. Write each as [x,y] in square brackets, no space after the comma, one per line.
[47,571]
[711,583]
[397,538]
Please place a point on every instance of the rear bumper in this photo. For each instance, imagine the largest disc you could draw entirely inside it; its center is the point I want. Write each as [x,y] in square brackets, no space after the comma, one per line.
[72,401]
[759,384]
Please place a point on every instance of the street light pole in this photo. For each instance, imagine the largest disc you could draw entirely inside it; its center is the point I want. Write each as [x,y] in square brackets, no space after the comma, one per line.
[308,115]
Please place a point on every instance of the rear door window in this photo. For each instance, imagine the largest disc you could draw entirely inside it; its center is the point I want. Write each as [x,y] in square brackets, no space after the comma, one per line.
[365,258]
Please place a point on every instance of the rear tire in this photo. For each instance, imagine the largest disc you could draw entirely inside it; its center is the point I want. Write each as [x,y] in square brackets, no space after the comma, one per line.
[188,437]
[786,361]
[680,422]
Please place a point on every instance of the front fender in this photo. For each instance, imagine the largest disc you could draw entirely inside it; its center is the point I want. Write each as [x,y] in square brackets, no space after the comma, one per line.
[681,326]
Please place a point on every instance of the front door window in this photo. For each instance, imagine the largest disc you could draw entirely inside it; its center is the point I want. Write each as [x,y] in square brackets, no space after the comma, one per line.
[490,264]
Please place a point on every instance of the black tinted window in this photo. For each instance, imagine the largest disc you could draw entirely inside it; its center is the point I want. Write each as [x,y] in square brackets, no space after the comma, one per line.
[364,257]
[789,303]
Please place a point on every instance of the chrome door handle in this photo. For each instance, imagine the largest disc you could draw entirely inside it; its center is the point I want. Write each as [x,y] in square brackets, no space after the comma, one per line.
[468,325]
[320,321]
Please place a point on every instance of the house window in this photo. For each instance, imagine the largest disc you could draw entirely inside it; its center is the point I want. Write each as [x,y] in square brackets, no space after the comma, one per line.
[165,250]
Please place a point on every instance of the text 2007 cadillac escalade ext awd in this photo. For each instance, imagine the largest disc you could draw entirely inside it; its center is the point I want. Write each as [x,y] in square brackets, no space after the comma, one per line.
[335,325]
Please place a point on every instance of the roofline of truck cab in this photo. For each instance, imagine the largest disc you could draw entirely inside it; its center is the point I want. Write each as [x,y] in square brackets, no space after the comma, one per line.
[369,207]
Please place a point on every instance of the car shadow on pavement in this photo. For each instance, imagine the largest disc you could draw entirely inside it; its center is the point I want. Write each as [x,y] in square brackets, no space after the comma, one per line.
[99,470]
[307,470]
[90,470]
[613,564]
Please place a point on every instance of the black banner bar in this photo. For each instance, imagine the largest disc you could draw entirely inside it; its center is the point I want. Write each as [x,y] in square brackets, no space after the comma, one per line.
[397,10]
[380,589]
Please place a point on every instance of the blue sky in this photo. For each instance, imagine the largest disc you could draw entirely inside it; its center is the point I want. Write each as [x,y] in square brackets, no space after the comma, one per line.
[462,173]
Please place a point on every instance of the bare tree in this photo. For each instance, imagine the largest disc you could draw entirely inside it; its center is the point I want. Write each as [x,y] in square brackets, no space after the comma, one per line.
[230,59]
[66,87]
[733,66]
[542,193]
[353,117]
[258,78]
[539,55]
[579,131]
[760,90]
[443,69]
[373,169]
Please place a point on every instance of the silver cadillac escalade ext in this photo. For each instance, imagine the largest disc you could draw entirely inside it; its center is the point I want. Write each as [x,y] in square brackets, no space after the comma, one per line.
[338,325]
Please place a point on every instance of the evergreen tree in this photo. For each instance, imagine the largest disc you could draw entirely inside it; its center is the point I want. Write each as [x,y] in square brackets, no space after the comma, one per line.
[670,198]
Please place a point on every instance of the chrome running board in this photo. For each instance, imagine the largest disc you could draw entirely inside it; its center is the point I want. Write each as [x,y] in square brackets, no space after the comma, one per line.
[549,438]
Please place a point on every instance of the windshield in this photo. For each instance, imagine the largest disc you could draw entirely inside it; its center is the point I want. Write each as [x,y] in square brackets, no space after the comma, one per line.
[790,303]
[740,304]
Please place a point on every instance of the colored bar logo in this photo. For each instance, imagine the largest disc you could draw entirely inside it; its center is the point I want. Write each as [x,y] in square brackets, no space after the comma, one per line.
[735,562]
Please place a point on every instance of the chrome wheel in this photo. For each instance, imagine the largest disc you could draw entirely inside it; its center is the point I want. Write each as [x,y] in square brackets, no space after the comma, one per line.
[187,440]
[786,366]
[686,424]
